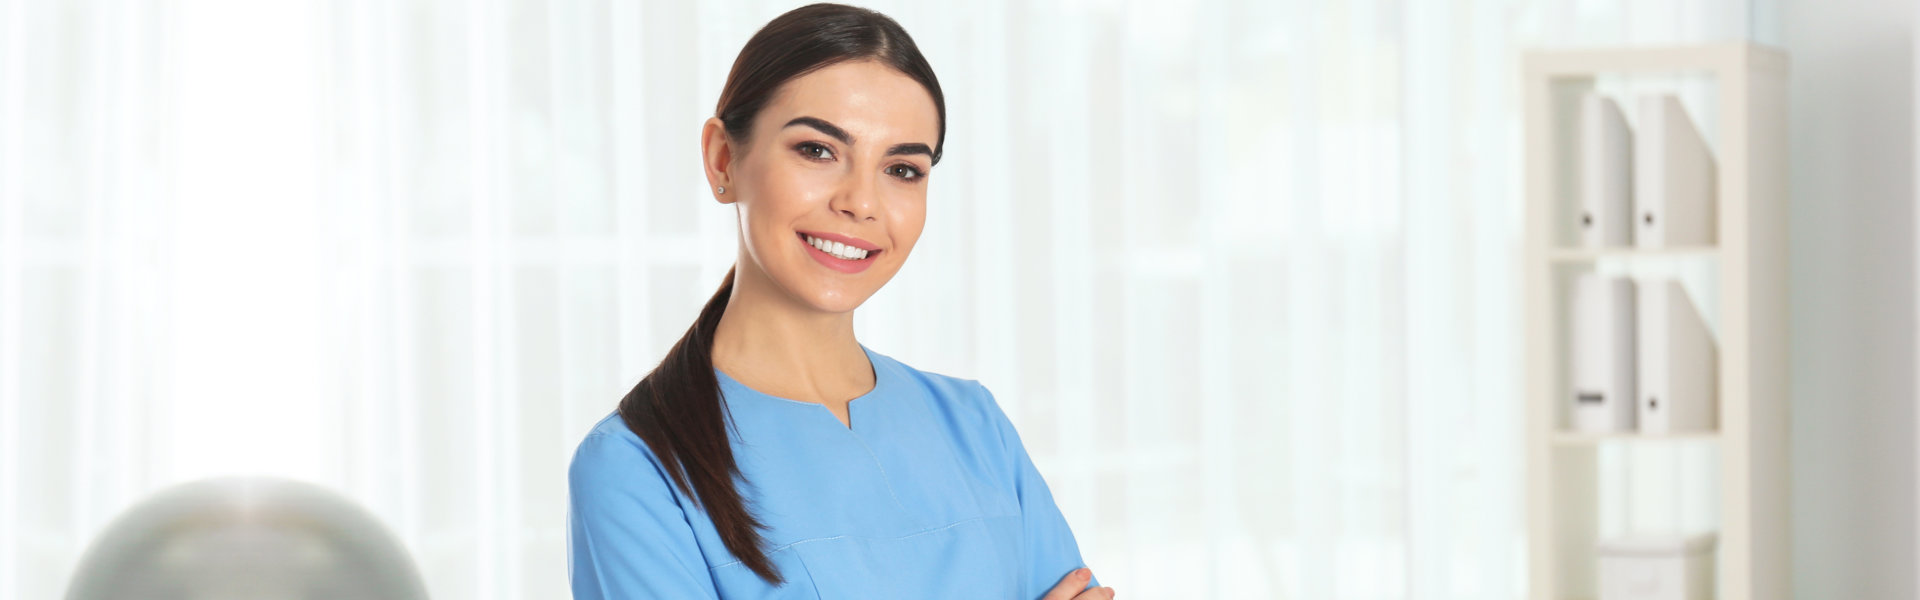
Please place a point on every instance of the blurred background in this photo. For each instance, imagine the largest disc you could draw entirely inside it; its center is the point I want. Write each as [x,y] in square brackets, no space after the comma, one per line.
[1245,273]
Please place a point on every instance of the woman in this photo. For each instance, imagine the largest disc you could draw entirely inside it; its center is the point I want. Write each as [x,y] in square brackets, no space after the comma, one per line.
[771,455]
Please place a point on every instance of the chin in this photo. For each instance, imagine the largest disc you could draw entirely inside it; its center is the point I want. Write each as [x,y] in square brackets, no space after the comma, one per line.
[832,298]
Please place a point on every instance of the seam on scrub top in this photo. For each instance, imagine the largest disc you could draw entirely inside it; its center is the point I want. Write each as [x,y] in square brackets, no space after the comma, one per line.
[815,581]
[891,539]
[883,471]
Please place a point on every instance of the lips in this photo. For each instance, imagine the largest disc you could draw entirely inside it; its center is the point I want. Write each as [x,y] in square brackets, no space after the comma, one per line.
[844,239]
[845,254]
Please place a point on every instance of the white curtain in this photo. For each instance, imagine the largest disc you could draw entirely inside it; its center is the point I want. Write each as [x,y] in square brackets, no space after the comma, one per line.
[1243,272]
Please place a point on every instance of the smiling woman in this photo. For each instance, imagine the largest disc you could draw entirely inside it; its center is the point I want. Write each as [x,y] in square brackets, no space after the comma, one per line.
[771,454]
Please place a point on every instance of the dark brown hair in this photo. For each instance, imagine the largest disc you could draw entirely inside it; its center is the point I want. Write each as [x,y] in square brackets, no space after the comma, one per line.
[677,409]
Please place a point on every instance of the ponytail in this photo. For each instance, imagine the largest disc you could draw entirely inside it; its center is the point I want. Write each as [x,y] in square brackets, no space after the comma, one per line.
[678,412]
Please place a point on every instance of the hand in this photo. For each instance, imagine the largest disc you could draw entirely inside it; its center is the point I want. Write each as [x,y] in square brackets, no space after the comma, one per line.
[1071,586]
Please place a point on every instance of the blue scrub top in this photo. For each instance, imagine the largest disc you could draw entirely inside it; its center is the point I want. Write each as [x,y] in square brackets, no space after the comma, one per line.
[930,494]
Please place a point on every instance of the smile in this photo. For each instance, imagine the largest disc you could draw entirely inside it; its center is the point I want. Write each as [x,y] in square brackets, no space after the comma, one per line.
[839,254]
[837,249]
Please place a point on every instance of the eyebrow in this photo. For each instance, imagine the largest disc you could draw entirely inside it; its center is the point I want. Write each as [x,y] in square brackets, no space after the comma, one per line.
[913,148]
[846,138]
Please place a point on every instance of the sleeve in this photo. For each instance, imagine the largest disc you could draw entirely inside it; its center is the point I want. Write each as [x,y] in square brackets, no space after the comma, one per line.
[1050,551]
[627,536]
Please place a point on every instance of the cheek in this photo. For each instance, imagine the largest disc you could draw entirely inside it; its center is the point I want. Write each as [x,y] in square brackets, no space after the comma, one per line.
[908,218]
[781,196]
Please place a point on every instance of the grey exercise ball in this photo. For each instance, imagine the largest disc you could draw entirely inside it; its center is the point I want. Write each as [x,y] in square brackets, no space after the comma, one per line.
[246,538]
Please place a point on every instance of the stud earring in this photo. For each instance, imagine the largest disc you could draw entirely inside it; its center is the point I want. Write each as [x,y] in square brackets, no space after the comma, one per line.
[721,189]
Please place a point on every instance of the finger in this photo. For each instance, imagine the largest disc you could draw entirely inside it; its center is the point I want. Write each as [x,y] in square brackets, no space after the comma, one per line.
[1070,586]
[1099,593]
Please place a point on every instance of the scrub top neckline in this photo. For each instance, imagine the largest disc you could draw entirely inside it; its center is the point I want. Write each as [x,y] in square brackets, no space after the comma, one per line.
[879,385]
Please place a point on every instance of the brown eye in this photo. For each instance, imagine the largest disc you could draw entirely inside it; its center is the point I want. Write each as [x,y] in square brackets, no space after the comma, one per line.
[814,151]
[904,172]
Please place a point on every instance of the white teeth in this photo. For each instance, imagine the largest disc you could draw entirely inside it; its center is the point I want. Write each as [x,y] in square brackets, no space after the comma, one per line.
[837,249]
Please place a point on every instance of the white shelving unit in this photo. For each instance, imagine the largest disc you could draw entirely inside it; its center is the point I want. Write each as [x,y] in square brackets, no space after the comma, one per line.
[1747,302]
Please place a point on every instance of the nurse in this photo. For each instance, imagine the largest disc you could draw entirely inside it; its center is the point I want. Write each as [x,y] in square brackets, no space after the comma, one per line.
[771,454]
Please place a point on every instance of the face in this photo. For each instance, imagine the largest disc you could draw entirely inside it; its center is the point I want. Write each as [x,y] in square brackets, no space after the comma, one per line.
[839,160]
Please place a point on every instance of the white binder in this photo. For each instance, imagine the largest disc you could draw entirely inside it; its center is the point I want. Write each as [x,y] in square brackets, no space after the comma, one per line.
[1601,347]
[1679,363]
[1674,177]
[1605,217]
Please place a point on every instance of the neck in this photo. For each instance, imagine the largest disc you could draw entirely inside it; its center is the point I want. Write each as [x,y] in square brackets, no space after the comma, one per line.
[774,343]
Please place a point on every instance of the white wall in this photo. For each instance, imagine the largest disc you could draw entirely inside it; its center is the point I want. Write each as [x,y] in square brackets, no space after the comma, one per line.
[1853,313]
[500,223]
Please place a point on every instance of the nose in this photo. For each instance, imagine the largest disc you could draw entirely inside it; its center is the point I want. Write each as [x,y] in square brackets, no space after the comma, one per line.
[857,200]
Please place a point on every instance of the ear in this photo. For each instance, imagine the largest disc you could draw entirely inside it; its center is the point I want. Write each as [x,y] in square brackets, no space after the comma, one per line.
[717,151]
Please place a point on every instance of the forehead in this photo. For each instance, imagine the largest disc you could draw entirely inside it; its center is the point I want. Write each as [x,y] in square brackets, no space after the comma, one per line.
[874,103]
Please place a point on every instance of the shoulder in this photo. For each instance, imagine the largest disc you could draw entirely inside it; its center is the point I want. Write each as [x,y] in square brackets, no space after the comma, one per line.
[611,456]
[964,402]
[610,438]
[946,385]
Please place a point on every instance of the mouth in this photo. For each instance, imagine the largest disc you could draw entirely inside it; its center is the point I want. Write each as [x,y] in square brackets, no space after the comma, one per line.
[838,254]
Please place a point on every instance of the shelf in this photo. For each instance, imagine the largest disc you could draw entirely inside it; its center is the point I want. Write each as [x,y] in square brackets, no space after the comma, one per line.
[1720,58]
[1571,438]
[1582,255]
[1738,282]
